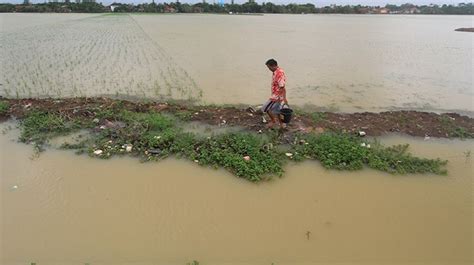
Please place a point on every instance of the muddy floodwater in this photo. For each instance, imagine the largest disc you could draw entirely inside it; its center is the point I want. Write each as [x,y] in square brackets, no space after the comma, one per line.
[336,62]
[61,208]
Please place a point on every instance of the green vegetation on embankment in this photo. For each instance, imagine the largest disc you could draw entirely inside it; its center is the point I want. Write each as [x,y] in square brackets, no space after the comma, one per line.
[148,134]
[4,107]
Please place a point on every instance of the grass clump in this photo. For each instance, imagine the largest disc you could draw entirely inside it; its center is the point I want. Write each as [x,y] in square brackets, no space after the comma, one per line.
[141,131]
[243,154]
[318,117]
[448,124]
[460,132]
[397,160]
[39,126]
[335,151]
[347,152]
[152,121]
[4,107]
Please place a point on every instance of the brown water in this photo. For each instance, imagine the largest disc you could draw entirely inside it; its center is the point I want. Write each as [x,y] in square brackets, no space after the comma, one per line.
[337,62]
[60,208]
[70,209]
[342,62]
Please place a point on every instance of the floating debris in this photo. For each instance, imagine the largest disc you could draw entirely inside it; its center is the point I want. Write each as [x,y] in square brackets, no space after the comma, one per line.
[98,152]
[127,147]
[155,151]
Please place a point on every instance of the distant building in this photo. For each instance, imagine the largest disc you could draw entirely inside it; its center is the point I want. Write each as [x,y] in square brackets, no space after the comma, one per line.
[382,10]
[169,9]
[411,10]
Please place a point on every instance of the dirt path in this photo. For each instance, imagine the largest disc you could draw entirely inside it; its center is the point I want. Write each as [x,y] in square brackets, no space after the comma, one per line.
[412,123]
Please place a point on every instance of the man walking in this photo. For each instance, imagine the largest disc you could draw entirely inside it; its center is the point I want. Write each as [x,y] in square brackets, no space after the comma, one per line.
[278,94]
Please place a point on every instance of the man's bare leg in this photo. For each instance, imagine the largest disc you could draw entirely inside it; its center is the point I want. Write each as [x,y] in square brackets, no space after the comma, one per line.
[282,124]
[272,120]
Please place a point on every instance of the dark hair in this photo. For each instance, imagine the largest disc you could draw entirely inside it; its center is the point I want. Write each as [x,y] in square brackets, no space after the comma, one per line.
[271,62]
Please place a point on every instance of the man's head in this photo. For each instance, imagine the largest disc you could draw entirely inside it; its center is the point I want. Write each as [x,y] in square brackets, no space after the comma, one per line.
[272,65]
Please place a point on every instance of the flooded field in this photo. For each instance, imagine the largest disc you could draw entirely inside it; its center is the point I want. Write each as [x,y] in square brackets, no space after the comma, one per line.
[91,56]
[65,209]
[11,22]
[337,62]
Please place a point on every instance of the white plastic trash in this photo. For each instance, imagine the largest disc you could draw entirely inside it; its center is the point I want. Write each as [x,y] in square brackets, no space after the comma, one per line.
[98,152]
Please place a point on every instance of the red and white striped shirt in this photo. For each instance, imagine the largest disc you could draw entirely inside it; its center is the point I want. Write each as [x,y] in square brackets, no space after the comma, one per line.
[278,85]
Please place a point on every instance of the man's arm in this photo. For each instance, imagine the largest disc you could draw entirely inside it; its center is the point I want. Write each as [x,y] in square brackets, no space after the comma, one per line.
[284,95]
[281,85]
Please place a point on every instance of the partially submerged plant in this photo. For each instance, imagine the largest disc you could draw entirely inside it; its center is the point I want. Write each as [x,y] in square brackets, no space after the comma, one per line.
[151,135]
[38,126]
[4,107]
[242,153]
[347,152]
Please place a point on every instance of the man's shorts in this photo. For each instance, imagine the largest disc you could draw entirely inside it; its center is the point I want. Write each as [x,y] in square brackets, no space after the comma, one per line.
[272,106]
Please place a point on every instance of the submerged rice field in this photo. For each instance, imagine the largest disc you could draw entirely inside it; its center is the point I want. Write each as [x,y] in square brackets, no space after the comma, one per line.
[101,55]
[219,188]
[338,63]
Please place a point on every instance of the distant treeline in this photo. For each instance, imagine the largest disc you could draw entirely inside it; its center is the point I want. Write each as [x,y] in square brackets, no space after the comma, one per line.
[249,7]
